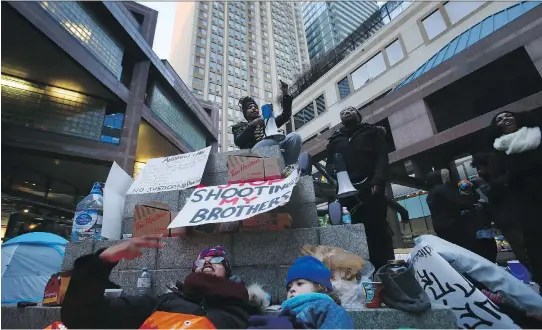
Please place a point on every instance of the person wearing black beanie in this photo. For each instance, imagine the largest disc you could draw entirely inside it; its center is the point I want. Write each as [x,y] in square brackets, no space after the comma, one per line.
[251,134]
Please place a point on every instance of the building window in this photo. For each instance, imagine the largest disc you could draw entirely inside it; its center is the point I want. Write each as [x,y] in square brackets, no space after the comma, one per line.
[304,116]
[395,52]
[320,105]
[200,60]
[201,50]
[368,71]
[202,40]
[457,10]
[198,81]
[344,88]
[197,91]
[198,70]
[434,24]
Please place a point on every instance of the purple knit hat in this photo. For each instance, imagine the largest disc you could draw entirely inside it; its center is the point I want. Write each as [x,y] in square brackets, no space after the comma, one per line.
[217,251]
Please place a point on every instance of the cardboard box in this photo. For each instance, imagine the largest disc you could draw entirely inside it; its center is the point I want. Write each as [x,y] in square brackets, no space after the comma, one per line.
[252,168]
[267,222]
[56,287]
[153,218]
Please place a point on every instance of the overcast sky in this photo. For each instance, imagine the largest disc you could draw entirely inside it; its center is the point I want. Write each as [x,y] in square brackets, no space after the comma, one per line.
[164,27]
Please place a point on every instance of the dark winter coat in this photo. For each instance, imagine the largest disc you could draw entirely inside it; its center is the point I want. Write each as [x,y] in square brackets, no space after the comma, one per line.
[221,301]
[364,152]
[245,136]
[516,187]
[446,205]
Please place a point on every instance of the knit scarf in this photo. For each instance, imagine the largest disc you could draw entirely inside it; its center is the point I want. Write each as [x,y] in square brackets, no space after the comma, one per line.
[524,139]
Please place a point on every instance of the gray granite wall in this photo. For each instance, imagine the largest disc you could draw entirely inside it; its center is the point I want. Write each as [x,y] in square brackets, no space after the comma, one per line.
[258,257]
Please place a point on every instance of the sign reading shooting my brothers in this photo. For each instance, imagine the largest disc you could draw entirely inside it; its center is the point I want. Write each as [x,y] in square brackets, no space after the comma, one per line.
[234,202]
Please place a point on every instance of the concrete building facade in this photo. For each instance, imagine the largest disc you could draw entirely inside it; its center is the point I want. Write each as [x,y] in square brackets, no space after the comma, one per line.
[330,22]
[81,89]
[433,76]
[224,51]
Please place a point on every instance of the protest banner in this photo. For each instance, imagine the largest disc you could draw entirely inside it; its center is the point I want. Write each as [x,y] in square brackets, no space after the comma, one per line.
[234,202]
[171,173]
[445,286]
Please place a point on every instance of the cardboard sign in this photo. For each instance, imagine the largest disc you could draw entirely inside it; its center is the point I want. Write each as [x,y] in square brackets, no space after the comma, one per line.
[252,168]
[267,222]
[171,173]
[234,202]
[56,289]
[154,218]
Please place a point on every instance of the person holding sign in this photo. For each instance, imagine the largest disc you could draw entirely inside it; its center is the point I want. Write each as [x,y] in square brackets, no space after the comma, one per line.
[207,299]
[251,134]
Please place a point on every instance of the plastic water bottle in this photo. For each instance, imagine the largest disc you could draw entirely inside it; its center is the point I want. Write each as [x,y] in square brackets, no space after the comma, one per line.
[87,222]
[144,283]
[346,218]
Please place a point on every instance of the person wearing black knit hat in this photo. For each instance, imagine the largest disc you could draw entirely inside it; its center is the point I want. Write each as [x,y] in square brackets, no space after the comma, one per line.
[251,134]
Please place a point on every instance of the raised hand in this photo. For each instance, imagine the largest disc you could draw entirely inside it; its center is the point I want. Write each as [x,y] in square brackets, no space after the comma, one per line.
[130,249]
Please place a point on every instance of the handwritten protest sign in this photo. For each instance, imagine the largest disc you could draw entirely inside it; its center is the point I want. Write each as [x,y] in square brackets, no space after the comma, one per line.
[171,173]
[233,202]
[445,286]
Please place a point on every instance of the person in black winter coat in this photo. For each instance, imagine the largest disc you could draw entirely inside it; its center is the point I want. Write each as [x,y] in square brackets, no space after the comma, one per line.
[446,206]
[206,292]
[364,151]
[498,207]
[251,134]
[517,177]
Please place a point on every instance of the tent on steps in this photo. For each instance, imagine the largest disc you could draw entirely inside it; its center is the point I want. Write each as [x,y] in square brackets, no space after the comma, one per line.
[28,261]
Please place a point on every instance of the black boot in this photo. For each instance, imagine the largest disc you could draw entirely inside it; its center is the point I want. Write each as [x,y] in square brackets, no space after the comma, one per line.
[402,290]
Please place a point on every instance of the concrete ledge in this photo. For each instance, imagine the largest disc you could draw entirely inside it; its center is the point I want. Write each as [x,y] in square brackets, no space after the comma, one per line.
[74,251]
[350,238]
[382,318]
[271,248]
[170,198]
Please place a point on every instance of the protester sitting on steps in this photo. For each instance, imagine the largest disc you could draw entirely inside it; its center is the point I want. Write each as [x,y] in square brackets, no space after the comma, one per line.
[310,304]
[207,292]
[251,134]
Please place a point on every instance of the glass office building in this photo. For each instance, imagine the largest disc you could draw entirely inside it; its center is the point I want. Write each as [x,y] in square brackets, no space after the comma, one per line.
[329,23]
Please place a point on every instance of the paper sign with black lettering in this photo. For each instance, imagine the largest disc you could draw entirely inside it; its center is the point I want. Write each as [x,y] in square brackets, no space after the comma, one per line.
[234,202]
[445,286]
[171,173]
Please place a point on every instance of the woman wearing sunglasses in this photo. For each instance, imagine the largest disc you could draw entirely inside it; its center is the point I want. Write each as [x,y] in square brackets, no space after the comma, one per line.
[206,299]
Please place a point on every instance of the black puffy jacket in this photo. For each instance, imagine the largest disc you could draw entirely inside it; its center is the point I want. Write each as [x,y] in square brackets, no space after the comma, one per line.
[221,301]
[364,152]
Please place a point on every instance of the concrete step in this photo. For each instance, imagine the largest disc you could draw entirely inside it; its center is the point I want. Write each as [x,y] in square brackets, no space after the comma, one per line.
[381,318]
[258,257]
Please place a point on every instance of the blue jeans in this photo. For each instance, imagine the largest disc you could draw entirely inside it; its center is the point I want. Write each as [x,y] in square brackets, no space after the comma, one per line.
[291,145]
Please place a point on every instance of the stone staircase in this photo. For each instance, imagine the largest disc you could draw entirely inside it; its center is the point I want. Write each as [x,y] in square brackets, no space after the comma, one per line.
[257,257]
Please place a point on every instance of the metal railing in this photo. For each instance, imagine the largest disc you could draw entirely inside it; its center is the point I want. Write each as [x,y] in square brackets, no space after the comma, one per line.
[367,29]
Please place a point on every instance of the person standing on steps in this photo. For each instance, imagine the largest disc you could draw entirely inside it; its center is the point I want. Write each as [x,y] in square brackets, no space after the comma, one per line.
[251,134]
[363,149]
[209,294]
[516,175]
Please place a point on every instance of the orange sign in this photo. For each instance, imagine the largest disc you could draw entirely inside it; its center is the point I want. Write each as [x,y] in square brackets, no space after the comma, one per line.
[165,320]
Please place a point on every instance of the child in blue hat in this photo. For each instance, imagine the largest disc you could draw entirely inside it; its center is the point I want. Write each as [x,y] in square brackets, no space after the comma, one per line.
[311,303]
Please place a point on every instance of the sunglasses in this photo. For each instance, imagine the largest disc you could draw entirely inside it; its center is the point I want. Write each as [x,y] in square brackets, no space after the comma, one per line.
[214,260]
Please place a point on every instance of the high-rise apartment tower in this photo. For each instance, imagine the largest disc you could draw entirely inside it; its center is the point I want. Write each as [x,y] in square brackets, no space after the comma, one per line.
[224,51]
